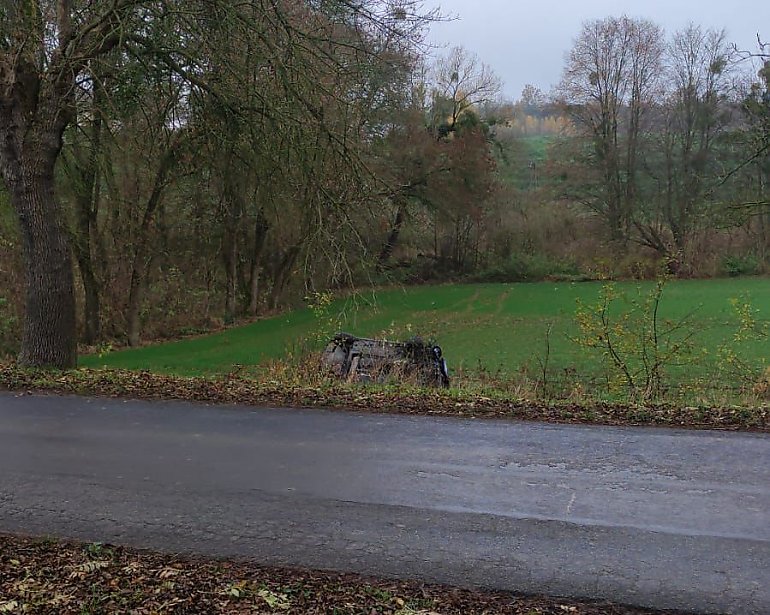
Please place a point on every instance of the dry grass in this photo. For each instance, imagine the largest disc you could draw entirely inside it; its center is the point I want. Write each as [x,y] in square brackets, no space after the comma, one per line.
[292,387]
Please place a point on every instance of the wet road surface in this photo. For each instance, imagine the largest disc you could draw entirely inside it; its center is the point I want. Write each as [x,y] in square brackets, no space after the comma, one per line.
[652,517]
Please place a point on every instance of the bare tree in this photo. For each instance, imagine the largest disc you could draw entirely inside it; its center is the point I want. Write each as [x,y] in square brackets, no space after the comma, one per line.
[461,82]
[695,112]
[756,111]
[609,87]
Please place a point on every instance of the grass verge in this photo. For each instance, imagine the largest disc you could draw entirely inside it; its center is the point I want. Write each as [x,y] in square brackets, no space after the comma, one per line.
[235,389]
[48,576]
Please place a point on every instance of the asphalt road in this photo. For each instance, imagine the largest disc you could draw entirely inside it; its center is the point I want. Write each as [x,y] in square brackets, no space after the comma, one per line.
[652,517]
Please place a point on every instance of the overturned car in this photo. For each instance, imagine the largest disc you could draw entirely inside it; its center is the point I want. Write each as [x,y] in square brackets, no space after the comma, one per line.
[360,359]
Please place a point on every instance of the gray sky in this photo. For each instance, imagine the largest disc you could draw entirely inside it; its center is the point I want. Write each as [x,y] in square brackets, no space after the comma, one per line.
[526,41]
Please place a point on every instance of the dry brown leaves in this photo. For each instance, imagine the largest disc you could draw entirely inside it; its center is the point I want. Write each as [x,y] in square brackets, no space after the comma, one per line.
[49,577]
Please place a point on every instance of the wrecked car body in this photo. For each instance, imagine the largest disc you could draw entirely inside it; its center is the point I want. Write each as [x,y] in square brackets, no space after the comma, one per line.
[359,359]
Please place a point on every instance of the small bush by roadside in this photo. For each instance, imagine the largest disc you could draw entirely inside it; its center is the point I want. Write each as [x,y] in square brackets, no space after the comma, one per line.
[287,389]
[46,577]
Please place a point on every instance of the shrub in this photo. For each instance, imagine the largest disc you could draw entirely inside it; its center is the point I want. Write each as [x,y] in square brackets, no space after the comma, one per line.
[636,346]
[735,266]
[529,268]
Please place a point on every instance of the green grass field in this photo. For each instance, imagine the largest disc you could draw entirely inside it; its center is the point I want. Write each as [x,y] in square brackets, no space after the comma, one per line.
[500,327]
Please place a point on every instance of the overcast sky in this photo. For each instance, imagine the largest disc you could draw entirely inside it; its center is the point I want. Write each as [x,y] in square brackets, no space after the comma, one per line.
[526,41]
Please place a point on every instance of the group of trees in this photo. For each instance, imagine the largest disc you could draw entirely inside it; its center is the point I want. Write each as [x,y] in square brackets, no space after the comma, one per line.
[669,133]
[215,159]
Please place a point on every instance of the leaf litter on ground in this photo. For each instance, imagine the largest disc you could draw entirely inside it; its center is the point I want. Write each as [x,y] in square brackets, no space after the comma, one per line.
[47,577]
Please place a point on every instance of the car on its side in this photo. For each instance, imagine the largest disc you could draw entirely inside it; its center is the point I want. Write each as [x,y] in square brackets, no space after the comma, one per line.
[361,359]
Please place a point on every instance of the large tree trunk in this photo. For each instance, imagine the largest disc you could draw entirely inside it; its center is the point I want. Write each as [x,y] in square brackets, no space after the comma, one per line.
[30,142]
[49,337]
[33,115]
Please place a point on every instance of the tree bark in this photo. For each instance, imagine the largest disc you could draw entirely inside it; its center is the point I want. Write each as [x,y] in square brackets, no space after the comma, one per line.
[49,337]
[30,142]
